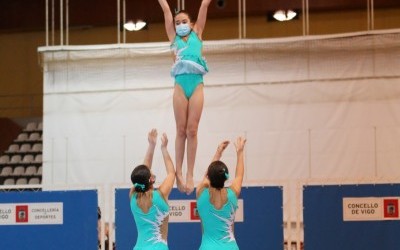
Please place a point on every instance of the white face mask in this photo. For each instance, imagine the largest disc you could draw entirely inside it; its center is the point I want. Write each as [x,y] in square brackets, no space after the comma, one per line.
[183,29]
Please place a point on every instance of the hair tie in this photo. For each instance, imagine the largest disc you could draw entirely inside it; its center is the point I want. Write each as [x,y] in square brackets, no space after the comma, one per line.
[141,186]
[226,175]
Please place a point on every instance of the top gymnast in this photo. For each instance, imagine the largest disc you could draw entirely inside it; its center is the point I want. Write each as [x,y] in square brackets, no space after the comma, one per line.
[188,69]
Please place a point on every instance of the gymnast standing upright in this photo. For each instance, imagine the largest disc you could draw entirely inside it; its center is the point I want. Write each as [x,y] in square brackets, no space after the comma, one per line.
[150,207]
[216,204]
[188,69]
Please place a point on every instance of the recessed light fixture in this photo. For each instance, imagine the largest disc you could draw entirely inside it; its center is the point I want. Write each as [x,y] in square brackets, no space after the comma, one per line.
[135,26]
[284,15]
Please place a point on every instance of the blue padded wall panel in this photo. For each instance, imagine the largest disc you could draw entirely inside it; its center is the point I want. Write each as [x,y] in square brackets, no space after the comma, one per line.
[78,231]
[325,229]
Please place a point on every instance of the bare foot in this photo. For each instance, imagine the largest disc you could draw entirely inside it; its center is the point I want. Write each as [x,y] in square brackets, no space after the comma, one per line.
[189,184]
[180,183]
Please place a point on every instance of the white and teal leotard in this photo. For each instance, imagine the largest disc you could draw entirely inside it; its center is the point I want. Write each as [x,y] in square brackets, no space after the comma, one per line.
[217,223]
[148,224]
[190,65]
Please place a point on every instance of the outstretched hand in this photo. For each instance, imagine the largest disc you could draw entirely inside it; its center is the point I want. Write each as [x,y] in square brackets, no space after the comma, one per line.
[164,140]
[239,144]
[222,146]
[220,149]
[152,137]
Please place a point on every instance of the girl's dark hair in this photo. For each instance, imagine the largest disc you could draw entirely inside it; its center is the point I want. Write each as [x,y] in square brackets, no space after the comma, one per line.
[140,178]
[183,12]
[217,173]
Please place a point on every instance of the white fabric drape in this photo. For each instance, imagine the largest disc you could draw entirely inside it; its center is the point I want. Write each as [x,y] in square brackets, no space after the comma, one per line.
[311,108]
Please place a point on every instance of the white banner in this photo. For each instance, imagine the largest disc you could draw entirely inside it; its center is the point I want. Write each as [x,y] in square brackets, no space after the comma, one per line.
[371,208]
[186,211]
[31,213]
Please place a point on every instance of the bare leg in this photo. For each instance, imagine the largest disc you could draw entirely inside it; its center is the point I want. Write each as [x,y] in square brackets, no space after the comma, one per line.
[194,113]
[180,104]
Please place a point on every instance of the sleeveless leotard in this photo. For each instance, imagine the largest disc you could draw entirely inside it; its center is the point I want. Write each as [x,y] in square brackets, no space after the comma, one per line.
[189,66]
[148,224]
[217,223]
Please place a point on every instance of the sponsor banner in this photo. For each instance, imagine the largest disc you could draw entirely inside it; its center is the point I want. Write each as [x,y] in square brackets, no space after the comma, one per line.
[186,211]
[371,208]
[31,213]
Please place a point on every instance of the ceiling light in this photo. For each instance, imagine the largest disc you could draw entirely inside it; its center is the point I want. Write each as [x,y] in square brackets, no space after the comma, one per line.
[284,15]
[135,26]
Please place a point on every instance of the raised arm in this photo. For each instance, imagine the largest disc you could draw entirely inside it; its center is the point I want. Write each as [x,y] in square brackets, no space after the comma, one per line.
[166,187]
[201,18]
[217,156]
[205,183]
[148,158]
[237,182]
[152,138]
[168,19]
[220,149]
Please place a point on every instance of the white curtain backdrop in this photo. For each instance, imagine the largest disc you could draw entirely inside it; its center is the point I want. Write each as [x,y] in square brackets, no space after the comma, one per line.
[311,108]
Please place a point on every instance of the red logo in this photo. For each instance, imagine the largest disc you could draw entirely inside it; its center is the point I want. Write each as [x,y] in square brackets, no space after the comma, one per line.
[391,208]
[194,215]
[21,213]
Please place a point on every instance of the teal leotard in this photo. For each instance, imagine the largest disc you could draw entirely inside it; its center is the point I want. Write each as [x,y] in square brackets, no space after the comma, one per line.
[148,224]
[189,66]
[217,223]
